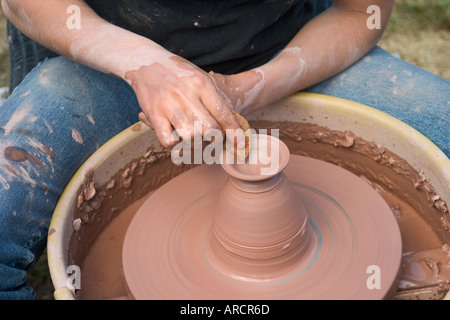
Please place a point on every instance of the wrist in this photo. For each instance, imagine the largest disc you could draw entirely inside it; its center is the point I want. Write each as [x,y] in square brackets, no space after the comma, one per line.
[248,91]
[280,77]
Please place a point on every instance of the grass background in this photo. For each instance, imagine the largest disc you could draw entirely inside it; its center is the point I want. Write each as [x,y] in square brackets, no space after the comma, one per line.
[418,32]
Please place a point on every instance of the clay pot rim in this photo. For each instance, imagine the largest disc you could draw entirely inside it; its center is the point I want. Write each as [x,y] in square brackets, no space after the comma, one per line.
[233,168]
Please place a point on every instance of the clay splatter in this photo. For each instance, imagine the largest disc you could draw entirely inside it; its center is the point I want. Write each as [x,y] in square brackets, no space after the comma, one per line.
[393,79]
[76,135]
[23,131]
[11,170]
[50,129]
[136,127]
[44,149]
[26,177]
[407,73]
[4,183]
[16,118]
[16,154]
[43,77]
[90,118]
[38,162]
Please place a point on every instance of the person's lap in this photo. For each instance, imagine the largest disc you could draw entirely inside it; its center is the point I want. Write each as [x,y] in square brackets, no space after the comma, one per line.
[62,112]
[51,123]
[400,89]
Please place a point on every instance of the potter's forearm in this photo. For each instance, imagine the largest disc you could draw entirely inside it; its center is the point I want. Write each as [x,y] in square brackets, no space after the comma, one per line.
[327,45]
[96,43]
[172,92]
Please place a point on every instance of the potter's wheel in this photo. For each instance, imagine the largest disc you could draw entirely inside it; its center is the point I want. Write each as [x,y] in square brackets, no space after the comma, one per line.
[351,249]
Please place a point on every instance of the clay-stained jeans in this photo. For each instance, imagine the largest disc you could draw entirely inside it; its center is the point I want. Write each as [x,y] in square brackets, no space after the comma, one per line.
[59,115]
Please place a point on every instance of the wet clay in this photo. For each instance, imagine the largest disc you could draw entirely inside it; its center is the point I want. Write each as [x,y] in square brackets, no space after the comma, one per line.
[241,154]
[411,199]
[104,280]
[292,235]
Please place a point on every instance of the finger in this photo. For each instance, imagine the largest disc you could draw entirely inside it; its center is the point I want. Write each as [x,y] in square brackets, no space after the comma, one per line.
[144,119]
[204,123]
[164,131]
[224,116]
[183,124]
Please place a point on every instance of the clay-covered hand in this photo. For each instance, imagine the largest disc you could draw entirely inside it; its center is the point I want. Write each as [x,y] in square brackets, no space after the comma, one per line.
[242,90]
[174,94]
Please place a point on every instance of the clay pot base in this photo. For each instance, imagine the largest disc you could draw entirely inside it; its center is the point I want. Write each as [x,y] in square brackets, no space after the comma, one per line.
[355,250]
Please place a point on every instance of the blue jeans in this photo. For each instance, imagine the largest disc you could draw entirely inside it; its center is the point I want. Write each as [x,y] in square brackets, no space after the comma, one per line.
[62,112]
[407,92]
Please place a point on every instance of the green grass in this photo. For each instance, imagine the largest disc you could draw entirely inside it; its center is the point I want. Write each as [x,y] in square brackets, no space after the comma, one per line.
[418,15]
[4,61]
[419,32]
[39,279]
[4,67]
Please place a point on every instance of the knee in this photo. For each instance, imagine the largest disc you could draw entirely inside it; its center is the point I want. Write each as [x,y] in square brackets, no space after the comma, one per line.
[15,259]
[23,237]
[13,285]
